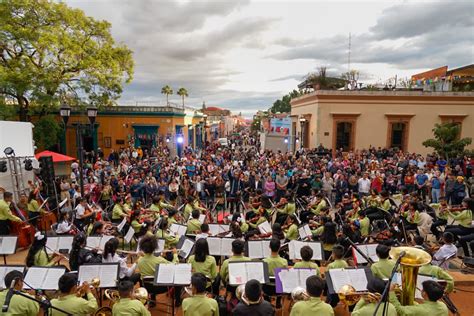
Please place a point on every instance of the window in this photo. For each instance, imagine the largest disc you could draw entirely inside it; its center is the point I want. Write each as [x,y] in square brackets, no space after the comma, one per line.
[398,130]
[344,130]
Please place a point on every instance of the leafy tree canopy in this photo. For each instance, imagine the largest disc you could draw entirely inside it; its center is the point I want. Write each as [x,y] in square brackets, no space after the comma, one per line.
[49,52]
[47,132]
[283,105]
[446,141]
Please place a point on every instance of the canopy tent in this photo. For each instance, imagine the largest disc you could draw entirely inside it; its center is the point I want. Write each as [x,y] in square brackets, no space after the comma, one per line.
[56,157]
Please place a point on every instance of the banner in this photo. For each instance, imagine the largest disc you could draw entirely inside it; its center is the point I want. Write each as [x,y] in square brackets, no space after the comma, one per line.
[280,125]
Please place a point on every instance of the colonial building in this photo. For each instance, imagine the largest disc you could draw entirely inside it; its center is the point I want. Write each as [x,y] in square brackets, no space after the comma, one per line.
[358,119]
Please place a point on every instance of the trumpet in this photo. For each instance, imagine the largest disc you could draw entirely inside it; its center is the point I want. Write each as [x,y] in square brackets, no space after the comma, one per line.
[82,290]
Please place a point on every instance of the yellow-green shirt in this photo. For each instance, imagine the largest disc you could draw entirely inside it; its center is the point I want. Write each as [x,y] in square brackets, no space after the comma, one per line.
[200,305]
[275,262]
[308,265]
[337,264]
[244,227]
[6,213]
[74,305]
[426,308]
[129,307]
[33,206]
[464,218]
[290,208]
[317,208]
[364,226]
[170,240]
[193,226]
[314,306]
[188,209]
[224,271]
[386,205]
[147,264]
[292,232]
[41,259]
[363,308]
[136,226]
[438,273]
[383,268]
[118,212]
[437,207]
[260,220]
[19,305]
[208,267]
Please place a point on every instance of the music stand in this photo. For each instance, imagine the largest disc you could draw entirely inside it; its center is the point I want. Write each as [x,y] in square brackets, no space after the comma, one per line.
[172,275]
[8,245]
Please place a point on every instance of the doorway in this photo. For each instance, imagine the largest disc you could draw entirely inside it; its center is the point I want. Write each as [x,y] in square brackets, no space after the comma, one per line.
[344,135]
[397,137]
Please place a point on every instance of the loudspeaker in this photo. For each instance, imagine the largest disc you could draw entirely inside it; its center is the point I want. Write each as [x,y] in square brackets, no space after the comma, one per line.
[47,175]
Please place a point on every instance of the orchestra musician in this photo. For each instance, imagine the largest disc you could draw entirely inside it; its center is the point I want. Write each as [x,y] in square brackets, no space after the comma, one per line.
[162,232]
[194,225]
[252,302]
[314,306]
[199,304]
[6,214]
[80,255]
[368,302]
[441,216]
[83,213]
[291,228]
[19,305]
[237,255]
[127,305]
[110,255]
[37,255]
[384,267]
[68,299]
[64,227]
[274,261]
[464,218]
[432,294]
[306,254]
[34,210]
[202,262]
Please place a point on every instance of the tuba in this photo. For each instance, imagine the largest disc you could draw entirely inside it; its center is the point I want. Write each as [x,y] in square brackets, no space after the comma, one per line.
[413,259]
[141,294]
[299,294]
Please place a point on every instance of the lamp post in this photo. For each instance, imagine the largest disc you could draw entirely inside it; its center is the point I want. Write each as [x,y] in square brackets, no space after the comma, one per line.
[302,123]
[65,113]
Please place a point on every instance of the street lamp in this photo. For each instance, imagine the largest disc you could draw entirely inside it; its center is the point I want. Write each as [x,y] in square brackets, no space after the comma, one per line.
[65,113]
[302,123]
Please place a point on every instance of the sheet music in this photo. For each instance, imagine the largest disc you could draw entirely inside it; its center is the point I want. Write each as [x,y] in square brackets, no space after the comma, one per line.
[296,245]
[265,227]
[304,231]
[93,241]
[161,245]
[419,282]
[179,230]
[52,278]
[358,279]
[8,245]
[368,250]
[214,246]
[65,242]
[303,274]
[165,274]
[108,275]
[103,240]
[186,248]
[255,271]
[4,270]
[182,273]
[237,273]
[34,277]
[339,278]
[122,224]
[289,280]
[88,272]
[255,249]
[266,248]
[51,244]
[226,247]
[216,229]
[128,237]
[202,218]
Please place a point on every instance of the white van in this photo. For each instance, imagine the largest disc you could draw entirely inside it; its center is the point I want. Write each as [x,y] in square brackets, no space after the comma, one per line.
[223,142]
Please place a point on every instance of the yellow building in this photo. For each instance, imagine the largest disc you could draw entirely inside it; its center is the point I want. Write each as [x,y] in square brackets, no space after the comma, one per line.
[145,126]
[360,119]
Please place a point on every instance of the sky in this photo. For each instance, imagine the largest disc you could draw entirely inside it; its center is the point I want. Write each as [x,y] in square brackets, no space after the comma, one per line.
[245,54]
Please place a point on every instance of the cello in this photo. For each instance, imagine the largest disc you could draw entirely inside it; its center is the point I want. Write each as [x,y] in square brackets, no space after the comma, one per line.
[24,231]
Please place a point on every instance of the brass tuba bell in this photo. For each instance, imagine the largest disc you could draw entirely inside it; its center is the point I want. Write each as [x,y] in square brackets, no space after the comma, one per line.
[299,294]
[413,259]
[112,295]
[141,294]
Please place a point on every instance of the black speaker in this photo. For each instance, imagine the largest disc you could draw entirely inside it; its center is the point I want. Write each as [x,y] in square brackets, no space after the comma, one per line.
[47,175]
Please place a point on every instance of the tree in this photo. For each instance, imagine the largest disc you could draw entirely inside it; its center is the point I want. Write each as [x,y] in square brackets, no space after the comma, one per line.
[283,105]
[446,141]
[183,93]
[49,50]
[47,132]
[167,90]
[320,81]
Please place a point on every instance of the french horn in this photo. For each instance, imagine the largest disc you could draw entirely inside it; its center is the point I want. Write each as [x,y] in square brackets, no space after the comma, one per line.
[299,294]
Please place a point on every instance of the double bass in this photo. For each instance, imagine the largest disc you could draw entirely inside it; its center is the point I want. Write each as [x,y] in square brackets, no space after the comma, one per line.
[24,230]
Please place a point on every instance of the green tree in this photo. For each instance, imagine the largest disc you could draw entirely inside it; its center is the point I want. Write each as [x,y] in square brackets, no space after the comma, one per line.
[167,90]
[183,93]
[283,105]
[47,132]
[49,50]
[446,141]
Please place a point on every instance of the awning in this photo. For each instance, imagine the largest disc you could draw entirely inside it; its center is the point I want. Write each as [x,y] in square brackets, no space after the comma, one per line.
[56,157]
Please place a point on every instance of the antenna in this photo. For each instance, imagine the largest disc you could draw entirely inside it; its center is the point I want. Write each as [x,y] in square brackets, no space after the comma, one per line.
[349,55]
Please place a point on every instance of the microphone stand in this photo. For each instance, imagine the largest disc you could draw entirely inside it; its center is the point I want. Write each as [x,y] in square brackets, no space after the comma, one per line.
[367,258]
[386,291]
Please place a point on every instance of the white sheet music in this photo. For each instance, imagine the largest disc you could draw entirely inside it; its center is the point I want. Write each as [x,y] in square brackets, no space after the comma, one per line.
[8,245]
[237,273]
[303,274]
[214,246]
[103,240]
[122,224]
[304,231]
[419,282]
[165,274]
[177,229]
[255,249]
[265,227]
[295,246]
[368,250]
[52,278]
[88,272]
[43,278]
[226,246]
[65,242]
[34,278]
[4,270]
[182,273]
[186,248]
[255,271]
[93,241]
[292,278]
[216,229]
[355,277]
[128,237]
[358,279]
[51,244]
[108,275]
[339,278]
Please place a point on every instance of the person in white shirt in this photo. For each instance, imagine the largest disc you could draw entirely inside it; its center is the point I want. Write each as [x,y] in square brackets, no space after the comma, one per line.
[64,227]
[364,184]
[445,251]
[110,256]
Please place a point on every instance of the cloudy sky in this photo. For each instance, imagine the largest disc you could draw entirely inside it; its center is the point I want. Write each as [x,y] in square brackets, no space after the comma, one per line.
[244,54]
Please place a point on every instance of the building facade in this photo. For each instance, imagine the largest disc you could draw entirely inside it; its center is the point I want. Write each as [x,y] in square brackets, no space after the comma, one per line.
[359,119]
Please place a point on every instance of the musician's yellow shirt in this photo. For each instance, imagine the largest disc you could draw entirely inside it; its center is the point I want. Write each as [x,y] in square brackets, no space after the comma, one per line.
[316,209]
[170,240]
[129,307]
[364,308]
[188,209]
[383,268]
[290,208]
[364,226]
[308,265]
[19,305]
[275,262]
[438,273]
[42,260]
[426,308]
[313,306]
[147,264]
[464,218]
[337,264]
[292,232]
[193,226]
[262,219]
[244,227]
[386,205]
[200,305]
[33,206]
[224,272]
[74,305]
[208,267]
[6,213]
[118,212]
